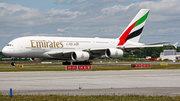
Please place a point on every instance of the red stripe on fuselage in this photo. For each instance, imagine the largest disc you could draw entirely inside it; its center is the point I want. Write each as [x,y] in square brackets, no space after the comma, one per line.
[122,39]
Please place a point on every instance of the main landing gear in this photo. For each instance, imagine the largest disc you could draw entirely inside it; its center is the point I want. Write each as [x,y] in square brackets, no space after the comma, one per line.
[66,63]
[82,63]
[77,63]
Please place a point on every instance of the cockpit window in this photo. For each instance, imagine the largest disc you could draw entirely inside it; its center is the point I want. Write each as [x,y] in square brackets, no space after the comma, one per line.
[9,45]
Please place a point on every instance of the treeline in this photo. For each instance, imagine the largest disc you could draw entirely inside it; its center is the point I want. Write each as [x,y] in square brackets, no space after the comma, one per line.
[153,52]
[3,56]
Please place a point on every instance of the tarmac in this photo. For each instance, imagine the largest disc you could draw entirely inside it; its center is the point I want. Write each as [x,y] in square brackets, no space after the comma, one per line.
[124,82]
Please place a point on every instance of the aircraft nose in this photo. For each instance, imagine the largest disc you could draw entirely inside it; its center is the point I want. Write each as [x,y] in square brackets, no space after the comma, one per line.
[5,51]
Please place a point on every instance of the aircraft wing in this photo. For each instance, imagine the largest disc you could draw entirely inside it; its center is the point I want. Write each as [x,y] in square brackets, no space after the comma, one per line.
[94,49]
[69,52]
[95,53]
[100,52]
[58,54]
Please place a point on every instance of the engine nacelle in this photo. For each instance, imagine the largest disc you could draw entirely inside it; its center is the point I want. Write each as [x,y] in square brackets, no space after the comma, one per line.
[113,53]
[80,56]
[37,59]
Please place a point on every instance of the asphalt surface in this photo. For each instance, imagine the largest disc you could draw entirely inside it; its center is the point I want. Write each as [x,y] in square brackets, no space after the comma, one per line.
[141,82]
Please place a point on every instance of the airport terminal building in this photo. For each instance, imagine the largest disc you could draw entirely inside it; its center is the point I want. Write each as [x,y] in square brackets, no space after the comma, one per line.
[170,55]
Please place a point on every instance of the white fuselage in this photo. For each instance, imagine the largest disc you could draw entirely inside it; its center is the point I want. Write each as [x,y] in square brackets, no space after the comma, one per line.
[80,49]
[36,46]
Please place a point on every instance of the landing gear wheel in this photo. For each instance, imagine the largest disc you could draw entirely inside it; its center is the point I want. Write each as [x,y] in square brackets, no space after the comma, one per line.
[66,63]
[13,63]
[82,63]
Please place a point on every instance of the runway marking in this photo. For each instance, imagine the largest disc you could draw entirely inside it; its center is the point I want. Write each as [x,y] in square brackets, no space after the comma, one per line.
[176,93]
[91,77]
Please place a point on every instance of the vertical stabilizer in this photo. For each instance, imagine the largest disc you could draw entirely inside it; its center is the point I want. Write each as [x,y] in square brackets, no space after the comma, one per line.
[134,29]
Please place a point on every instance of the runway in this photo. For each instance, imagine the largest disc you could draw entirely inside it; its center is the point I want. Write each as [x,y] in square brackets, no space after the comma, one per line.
[141,82]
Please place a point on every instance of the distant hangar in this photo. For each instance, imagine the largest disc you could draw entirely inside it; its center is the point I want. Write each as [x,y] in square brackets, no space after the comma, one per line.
[170,55]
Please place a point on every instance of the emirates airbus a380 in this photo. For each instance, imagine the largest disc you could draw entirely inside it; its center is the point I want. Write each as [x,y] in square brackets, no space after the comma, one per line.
[80,50]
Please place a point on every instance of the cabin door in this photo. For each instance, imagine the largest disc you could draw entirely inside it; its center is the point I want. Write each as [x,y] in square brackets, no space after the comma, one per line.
[20,48]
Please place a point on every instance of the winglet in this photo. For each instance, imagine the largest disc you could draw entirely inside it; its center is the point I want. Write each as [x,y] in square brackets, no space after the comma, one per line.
[175,45]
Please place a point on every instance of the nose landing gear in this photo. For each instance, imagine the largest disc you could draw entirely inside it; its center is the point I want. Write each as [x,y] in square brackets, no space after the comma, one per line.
[13,63]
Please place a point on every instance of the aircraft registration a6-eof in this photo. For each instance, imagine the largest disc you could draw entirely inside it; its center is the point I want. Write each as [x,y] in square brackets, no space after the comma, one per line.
[80,50]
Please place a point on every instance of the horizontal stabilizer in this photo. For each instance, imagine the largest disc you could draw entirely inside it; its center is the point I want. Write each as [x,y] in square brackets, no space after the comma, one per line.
[158,43]
[142,46]
[175,45]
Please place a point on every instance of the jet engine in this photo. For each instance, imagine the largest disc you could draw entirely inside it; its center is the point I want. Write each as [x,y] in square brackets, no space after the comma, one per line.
[37,59]
[80,56]
[113,53]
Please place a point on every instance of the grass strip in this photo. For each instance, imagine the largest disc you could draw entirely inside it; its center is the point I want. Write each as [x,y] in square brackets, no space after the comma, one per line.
[94,68]
[87,98]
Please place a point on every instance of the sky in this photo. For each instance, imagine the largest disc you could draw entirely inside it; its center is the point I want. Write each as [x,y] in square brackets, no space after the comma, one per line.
[87,18]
